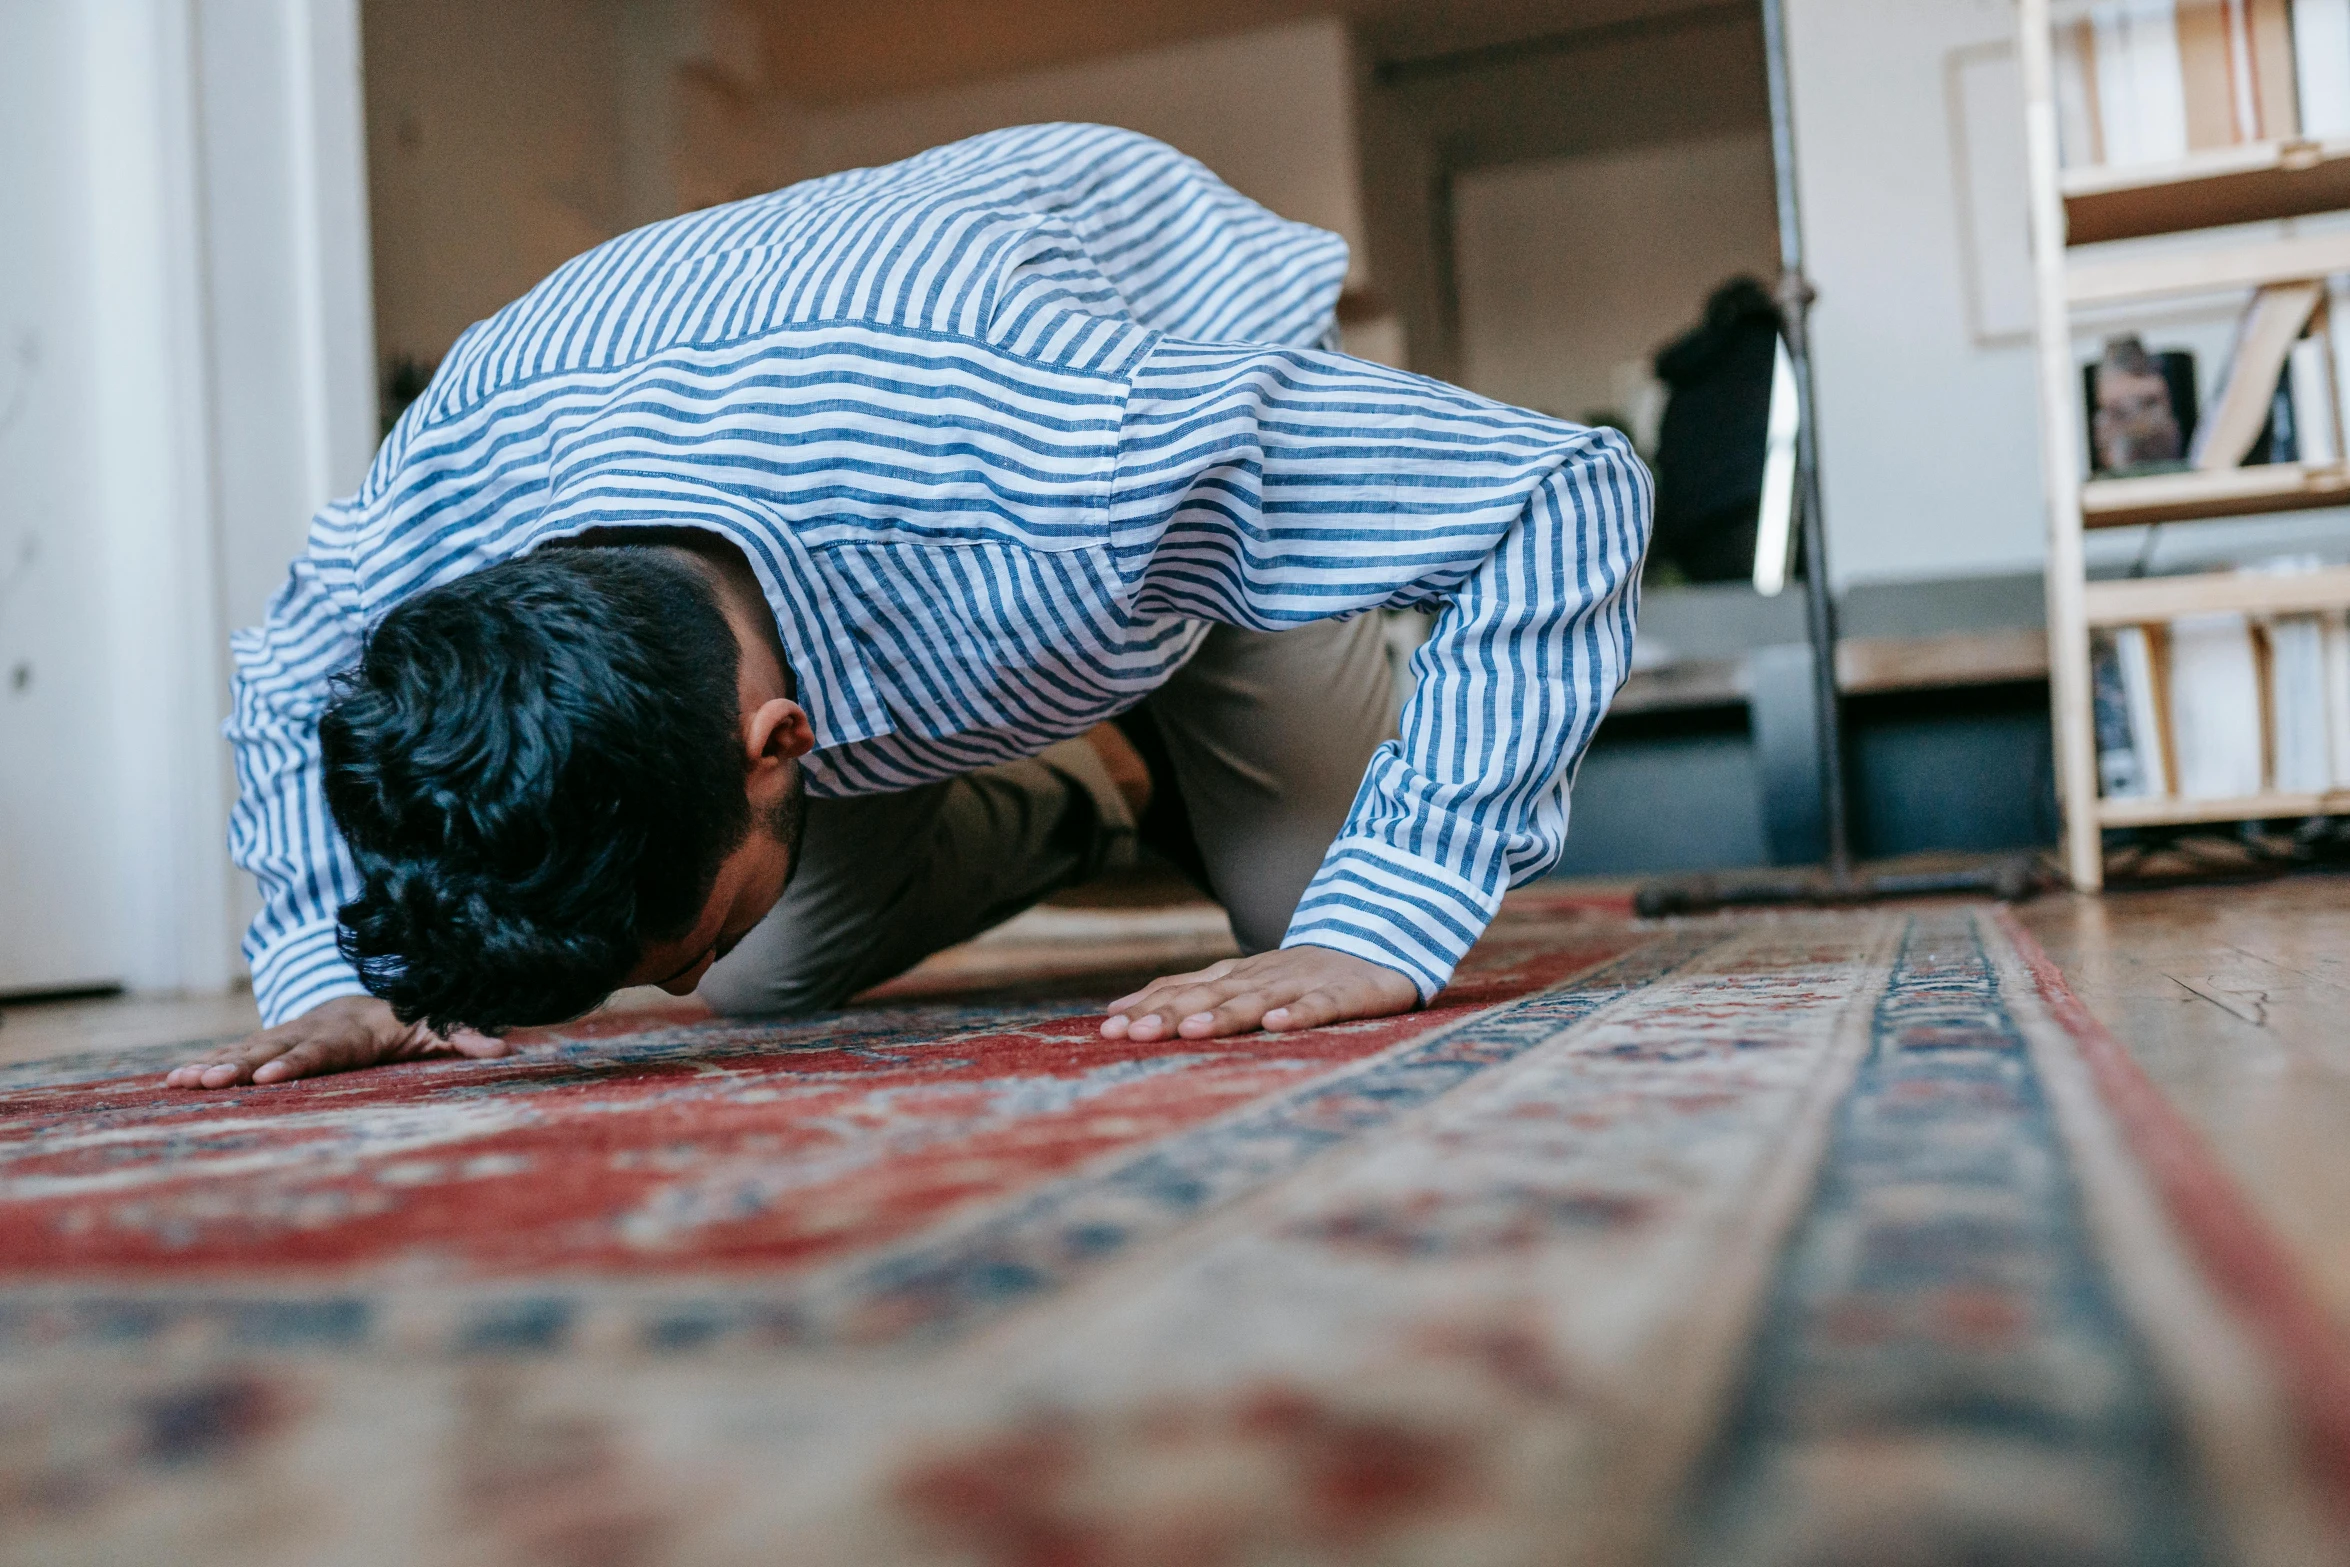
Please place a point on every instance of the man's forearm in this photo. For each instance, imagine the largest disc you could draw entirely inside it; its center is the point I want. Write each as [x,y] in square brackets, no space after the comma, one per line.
[1471,799]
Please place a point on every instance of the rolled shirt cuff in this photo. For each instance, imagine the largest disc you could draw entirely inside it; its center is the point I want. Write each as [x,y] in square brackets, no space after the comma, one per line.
[294,970]
[1392,908]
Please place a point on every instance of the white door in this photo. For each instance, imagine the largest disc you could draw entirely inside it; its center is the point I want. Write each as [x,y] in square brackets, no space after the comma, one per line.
[60,907]
[184,376]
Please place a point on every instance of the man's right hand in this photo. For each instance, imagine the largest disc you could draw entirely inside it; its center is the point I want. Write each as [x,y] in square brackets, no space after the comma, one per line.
[334,1036]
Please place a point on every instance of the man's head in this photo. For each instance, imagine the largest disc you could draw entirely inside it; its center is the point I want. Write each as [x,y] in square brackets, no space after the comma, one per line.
[561,774]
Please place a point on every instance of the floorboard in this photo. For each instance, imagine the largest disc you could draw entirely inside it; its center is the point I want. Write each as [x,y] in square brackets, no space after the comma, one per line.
[2236,1001]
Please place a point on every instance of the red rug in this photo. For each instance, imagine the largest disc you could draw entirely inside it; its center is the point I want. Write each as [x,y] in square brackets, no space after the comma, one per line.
[1806,1239]
[634,1148]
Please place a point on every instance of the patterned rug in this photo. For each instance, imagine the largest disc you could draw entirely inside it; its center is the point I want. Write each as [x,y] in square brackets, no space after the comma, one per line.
[1813,1239]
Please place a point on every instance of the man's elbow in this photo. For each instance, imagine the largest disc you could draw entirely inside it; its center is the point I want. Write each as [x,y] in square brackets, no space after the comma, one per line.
[1619,476]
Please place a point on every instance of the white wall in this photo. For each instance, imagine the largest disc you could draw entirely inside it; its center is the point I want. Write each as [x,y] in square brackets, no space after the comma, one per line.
[495,133]
[185,258]
[1271,111]
[61,899]
[1555,305]
[291,342]
[146,435]
[1929,441]
[507,139]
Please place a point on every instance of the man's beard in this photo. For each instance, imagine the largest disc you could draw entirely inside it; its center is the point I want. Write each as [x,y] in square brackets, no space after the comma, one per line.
[787,821]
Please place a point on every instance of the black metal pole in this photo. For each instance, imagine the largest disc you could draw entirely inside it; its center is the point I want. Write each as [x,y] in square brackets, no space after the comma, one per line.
[1795,298]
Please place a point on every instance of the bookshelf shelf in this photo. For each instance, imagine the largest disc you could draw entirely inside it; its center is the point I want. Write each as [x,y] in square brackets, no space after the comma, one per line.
[2140,600]
[2170,812]
[2094,245]
[2270,179]
[2219,492]
[2203,270]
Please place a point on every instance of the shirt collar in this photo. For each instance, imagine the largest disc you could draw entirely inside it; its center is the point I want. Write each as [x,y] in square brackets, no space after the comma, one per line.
[827,666]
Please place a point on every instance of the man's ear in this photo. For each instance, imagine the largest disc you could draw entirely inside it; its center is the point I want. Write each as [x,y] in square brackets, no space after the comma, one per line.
[777,730]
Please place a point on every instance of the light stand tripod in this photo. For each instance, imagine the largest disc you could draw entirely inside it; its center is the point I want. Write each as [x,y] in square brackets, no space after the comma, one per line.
[1836,881]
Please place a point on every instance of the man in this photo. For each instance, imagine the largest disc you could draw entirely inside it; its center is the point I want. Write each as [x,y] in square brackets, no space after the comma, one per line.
[747,607]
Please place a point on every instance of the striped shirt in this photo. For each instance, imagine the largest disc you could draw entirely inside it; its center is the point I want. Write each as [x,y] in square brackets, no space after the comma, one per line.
[1002,429]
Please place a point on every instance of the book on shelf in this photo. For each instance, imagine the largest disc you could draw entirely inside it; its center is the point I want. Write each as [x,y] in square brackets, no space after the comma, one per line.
[2236,67]
[2215,71]
[2282,440]
[2136,81]
[2133,740]
[2223,706]
[2216,701]
[2080,129]
[2301,759]
[2148,81]
[2120,774]
[2245,402]
[2145,661]
[2334,633]
[2313,396]
[2321,66]
[2336,329]
[2263,29]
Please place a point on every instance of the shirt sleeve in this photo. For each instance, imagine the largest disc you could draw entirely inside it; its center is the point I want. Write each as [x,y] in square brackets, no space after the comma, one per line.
[280,830]
[1288,485]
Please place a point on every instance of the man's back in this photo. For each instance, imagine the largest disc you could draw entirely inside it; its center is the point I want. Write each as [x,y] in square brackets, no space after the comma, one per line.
[990,239]
[1001,432]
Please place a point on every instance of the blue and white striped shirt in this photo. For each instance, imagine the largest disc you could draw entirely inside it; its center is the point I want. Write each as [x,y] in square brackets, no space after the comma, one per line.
[1002,429]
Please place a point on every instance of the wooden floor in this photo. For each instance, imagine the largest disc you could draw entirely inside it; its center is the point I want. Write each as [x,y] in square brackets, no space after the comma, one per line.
[2234,998]
[36,1031]
[2236,1001]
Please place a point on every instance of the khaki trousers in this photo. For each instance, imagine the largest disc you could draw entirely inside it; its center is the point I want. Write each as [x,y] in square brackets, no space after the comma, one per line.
[1257,747]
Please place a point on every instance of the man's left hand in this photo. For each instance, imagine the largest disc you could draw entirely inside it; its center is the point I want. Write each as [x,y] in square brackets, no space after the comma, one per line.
[1295,987]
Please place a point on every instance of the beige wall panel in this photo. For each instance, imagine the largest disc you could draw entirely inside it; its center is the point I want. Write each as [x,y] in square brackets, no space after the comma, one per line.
[1572,268]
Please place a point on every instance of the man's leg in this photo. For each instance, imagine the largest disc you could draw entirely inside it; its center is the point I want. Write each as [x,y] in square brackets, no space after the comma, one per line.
[1269,734]
[886,880]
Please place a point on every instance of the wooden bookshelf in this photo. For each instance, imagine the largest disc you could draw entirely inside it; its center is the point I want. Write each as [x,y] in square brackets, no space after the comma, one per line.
[2202,269]
[2270,179]
[2138,600]
[2170,811]
[2219,492]
[2116,210]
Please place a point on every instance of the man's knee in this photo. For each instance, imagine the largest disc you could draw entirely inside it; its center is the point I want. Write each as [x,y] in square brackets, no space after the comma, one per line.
[886,880]
[1271,733]
[1258,923]
[1266,878]
[755,990]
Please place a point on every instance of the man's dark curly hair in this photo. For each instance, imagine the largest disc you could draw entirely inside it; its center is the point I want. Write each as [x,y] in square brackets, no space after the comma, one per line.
[538,768]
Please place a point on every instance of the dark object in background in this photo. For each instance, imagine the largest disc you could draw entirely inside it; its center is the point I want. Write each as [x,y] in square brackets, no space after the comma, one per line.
[2280,438]
[403,380]
[1709,449]
[2141,406]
